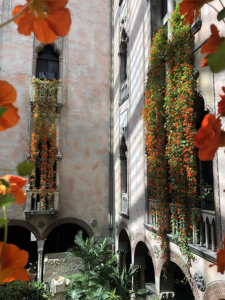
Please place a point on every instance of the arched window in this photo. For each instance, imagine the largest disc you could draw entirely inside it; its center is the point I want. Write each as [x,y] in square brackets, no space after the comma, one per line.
[205,168]
[47,64]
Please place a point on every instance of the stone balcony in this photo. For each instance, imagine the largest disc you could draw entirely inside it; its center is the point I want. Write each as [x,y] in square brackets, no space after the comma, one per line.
[59,96]
[33,205]
[203,235]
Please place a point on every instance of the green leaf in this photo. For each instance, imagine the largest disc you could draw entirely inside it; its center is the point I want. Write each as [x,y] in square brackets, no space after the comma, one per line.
[142,291]
[2,111]
[5,182]
[221,15]
[25,168]
[3,221]
[7,199]
[216,60]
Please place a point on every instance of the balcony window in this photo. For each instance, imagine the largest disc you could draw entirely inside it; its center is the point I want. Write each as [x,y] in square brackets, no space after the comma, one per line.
[48,64]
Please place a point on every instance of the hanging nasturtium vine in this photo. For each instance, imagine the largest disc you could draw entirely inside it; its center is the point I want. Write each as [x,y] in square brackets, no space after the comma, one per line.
[44,134]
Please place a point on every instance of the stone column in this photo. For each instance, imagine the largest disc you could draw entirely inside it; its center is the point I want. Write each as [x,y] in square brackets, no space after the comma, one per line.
[142,277]
[40,259]
[170,9]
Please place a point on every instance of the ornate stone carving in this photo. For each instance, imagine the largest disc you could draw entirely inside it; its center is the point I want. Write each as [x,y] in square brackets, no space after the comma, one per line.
[156,251]
[166,295]
[58,156]
[54,267]
[41,224]
[200,281]
[93,222]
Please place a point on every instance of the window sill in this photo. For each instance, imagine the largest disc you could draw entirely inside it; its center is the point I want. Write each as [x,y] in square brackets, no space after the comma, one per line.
[53,213]
[123,214]
[154,228]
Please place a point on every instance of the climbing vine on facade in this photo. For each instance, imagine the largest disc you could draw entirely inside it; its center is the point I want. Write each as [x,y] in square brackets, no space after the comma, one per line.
[43,142]
[169,107]
[153,115]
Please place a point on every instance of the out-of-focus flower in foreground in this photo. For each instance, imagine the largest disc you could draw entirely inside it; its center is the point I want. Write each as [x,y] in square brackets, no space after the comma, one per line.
[212,44]
[13,263]
[189,7]
[16,184]
[220,259]
[8,96]
[46,18]
[209,137]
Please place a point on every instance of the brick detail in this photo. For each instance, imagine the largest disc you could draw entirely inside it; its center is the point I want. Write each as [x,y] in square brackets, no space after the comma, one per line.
[180,263]
[27,226]
[215,291]
[142,238]
[76,221]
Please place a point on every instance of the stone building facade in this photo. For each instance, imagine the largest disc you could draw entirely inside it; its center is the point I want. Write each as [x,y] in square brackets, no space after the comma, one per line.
[135,23]
[101,169]
[81,197]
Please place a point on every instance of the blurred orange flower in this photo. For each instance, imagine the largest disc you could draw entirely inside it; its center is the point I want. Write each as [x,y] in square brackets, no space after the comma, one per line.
[16,185]
[221,104]
[209,137]
[46,18]
[14,260]
[188,7]
[220,259]
[8,96]
[212,44]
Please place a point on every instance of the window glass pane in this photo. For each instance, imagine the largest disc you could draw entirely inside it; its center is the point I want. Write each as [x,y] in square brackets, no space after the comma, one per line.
[53,70]
[42,68]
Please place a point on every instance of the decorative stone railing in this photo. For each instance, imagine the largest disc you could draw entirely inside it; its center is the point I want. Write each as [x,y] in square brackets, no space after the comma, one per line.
[203,226]
[204,230]
[42,87]
[33,206]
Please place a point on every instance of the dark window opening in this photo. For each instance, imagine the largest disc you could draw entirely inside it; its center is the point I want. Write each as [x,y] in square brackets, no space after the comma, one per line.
[205,168]
[48,64]
[125,66]
[164,8]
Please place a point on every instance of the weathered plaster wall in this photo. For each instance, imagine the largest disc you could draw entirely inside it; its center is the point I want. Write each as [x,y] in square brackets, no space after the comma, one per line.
[84,128]
[138,47]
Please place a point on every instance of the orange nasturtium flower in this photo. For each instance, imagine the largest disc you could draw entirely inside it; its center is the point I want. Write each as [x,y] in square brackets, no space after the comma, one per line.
[221,104]
[220,259]
[189,7]
[8,96]
[16,185]
[46,18]
[12,266]
[212,44]
[209,137]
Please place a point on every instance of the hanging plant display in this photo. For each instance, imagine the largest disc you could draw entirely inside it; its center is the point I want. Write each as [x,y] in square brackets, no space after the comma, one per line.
[43,141]
[180,124]
[170,129]
[155,134]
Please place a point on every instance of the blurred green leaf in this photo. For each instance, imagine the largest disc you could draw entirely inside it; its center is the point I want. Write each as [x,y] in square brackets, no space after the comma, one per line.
[25,168]
[2,111]
[3,221]
[221,15]
[142,291]
[7,199]
[5,182]
[216,60]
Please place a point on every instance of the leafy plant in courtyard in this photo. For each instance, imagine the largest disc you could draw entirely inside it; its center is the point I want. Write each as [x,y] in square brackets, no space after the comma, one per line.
[102,278]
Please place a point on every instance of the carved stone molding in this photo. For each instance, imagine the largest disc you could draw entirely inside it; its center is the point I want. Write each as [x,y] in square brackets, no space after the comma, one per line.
[200,281]
[93,222]
[166,295]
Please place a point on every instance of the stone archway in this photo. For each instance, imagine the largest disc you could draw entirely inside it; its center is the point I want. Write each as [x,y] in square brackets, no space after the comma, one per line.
[215,291]
[124,249]
[146,272]
[181,264]
[76,221]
